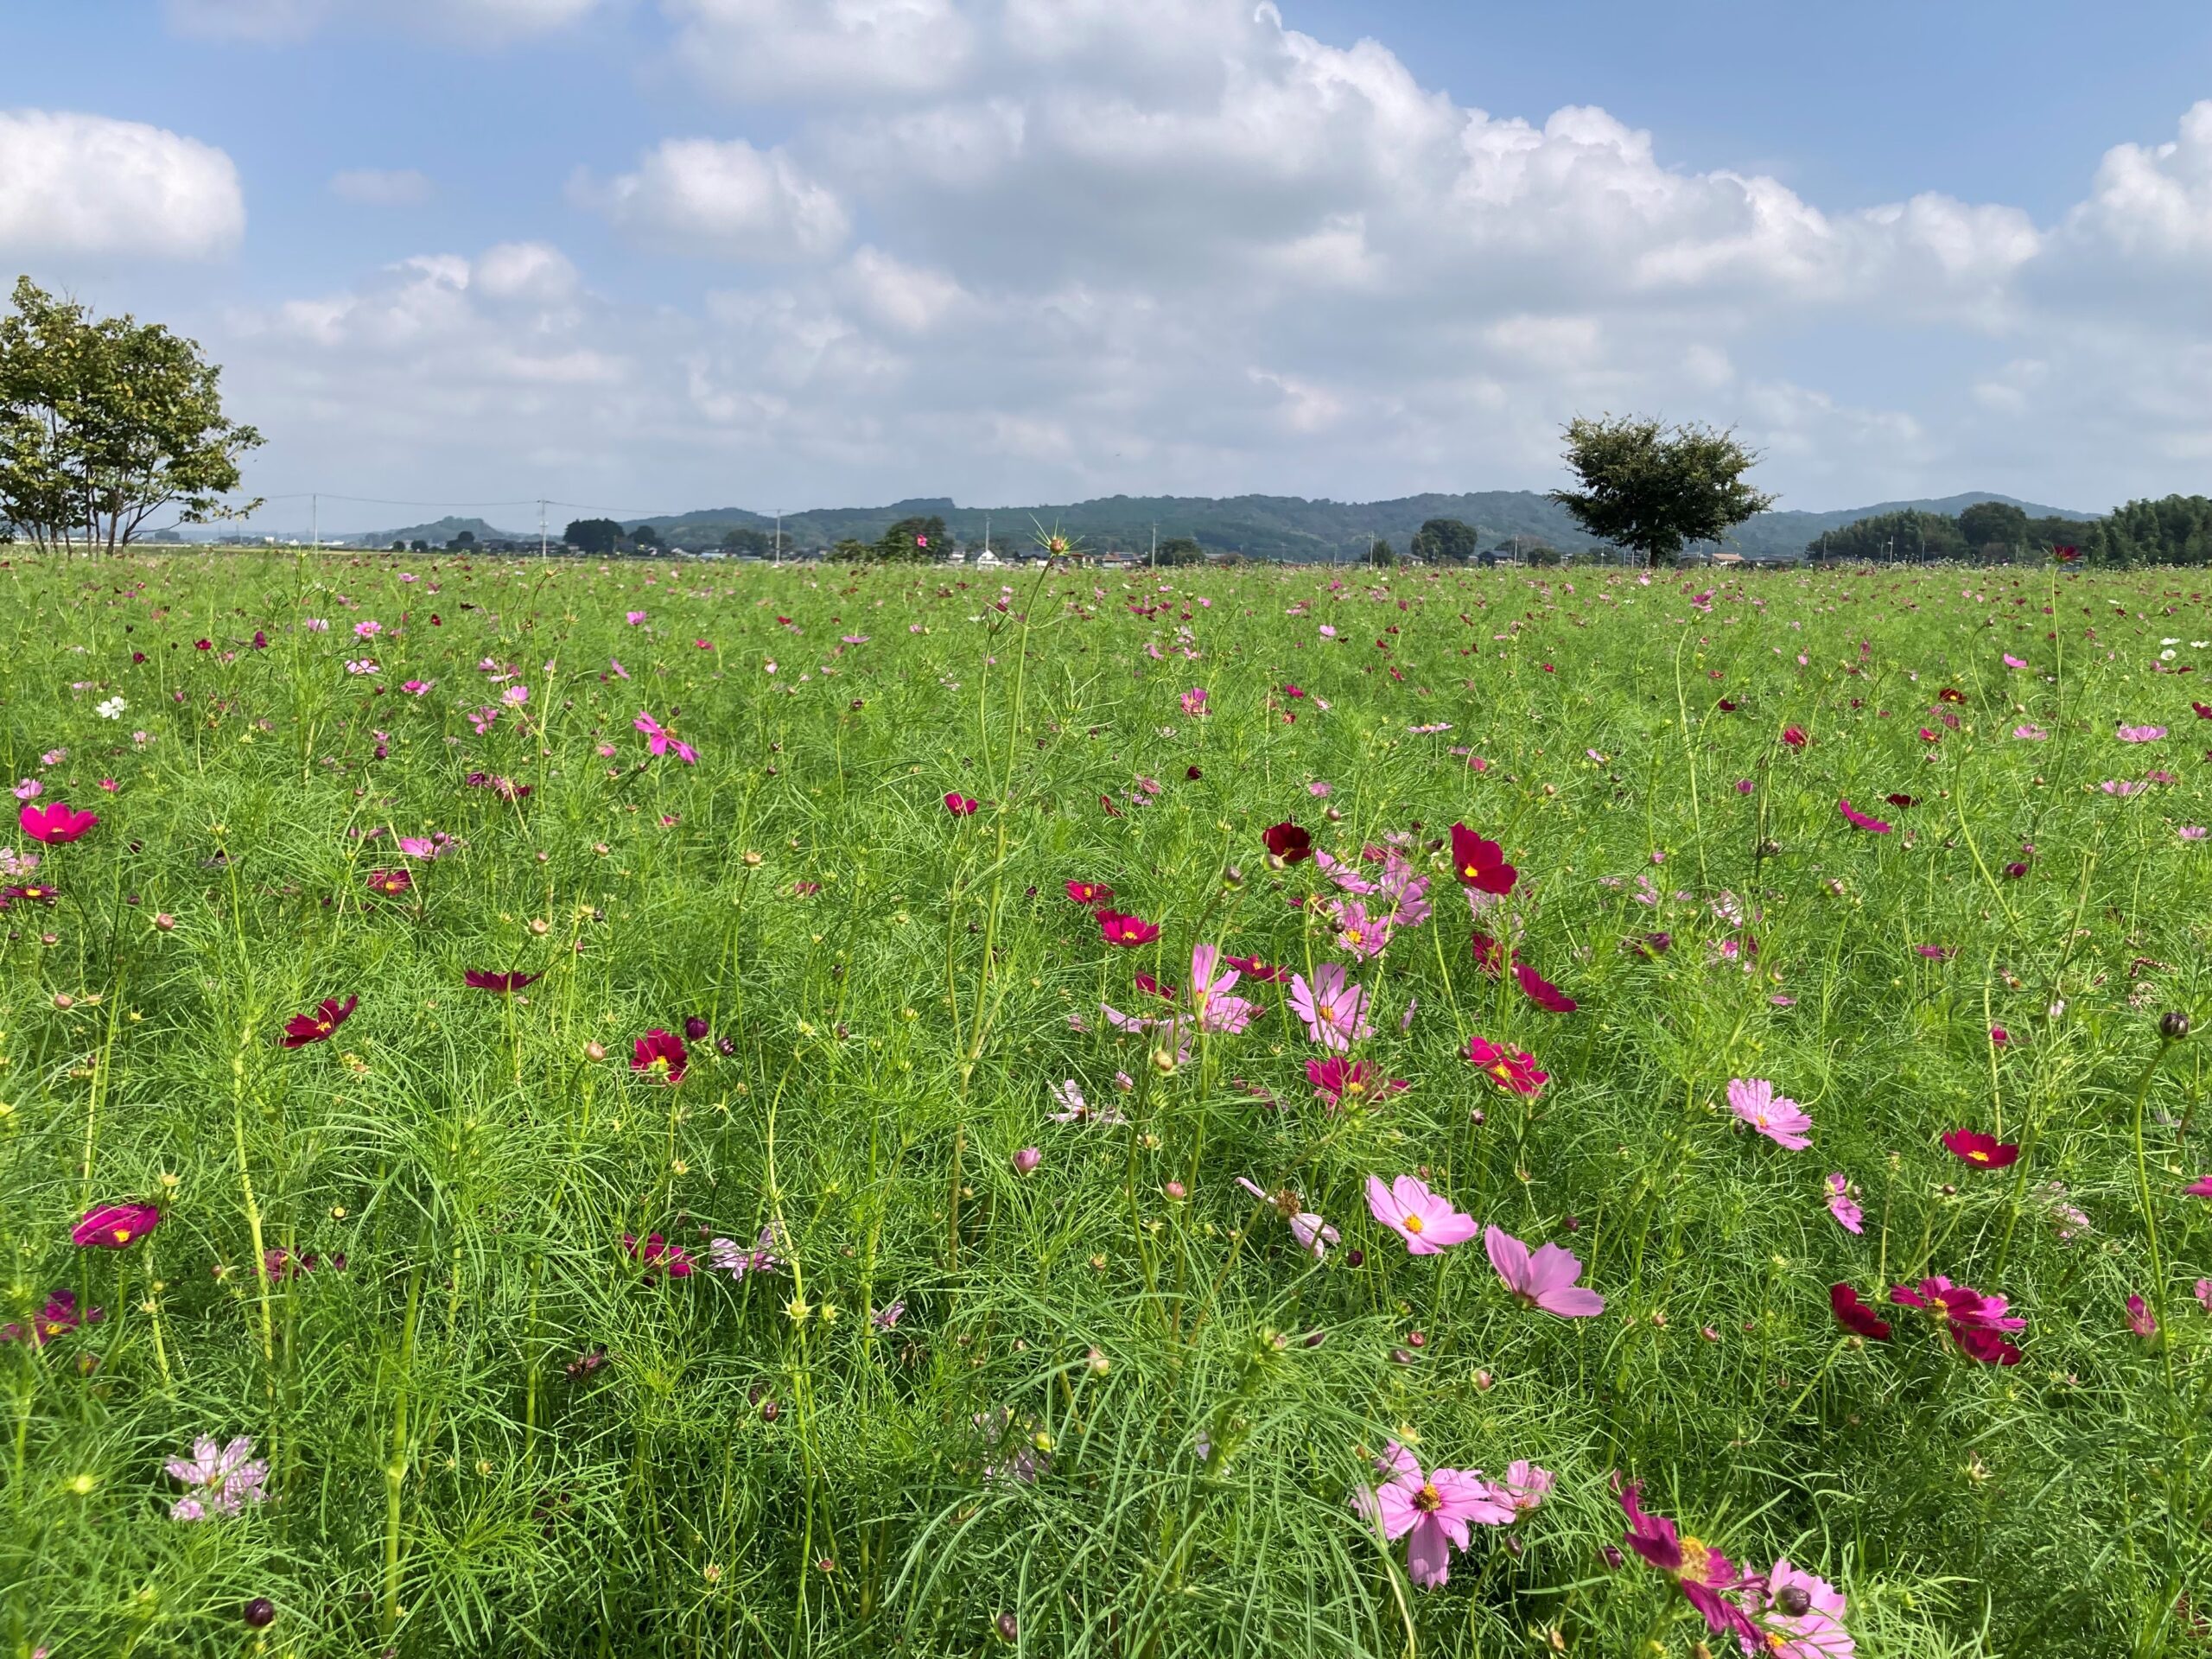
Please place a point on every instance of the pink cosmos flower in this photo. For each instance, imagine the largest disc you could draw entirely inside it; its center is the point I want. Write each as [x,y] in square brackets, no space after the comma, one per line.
[633,618]
[1345,875]
[658,1255]
[1526,1486]
[730,1257]
[113,1226]
[961,806]
[415,688]
[29,790]
[1335,1077]
[1335,1012]
[1859,820]
[1971,1322]
[1799,1616]
[1424,1219]
[1362,935]
[660,741]
[224,1479]
[1781,1120]
[1210,985]
[2030,733]
[2204,1292]
[1074,1108]
[2011,661]
[1513,1070]
[1194,703]
[426,846]
[57,1319]
[2201,1188]
[661,1054]
[1431,1511]
[55,824]
[2141,734]
[1847,1214]
[2140,1319]
[1702,1572]
[1545,1279]
[1314,1235]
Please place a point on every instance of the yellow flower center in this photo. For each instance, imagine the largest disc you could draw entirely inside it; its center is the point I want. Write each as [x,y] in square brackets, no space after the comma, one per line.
[1978,1156]
[659,1063]
[1696,1557]
[1428,1500]
[1413,1223]
[122,1234]
[1470,873]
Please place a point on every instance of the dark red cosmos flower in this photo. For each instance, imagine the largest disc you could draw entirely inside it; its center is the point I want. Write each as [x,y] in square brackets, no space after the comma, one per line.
[1795,736]
[1855,1316]
[1117,929]
[1152,986]
[961,806]
[1490,955]
[54,824]
[57,1319]
[1090,894]
[390,883]
[1287,842]
[1192,773]
[37,893]
[330,1013]
[1542,991]
[1480,863]
[1726,705]
[1982,1151]
[1950,693]
[696,1029]
[477,980]
[2203,710]
[658,1254]
[112,1226]
[2066,554]
[1649,945]
[203,644]
[662,1053]
[1900,800]
[1255,967]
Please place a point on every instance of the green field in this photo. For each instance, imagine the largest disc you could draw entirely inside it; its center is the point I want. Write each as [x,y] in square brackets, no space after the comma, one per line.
[960,1378]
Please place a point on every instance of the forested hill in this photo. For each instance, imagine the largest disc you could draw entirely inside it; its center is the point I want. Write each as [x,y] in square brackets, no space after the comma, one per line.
[1275,526]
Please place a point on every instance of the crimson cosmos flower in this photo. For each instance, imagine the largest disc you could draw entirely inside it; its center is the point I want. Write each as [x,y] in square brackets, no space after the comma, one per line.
[1513,1070]
[37,893]
[1702,1572]
[1479,863]
[2065,555]
[1795,736]
[1117,929]
[1542,991]
[961,806]
[390,883]
[1090,894]
[477,980]
[112,1226]
[1254,968]
[1855,1316]
[330,1013]
[658,1255]
[55,824]
[1974,1323]
[1982,1151]
[1488,953]
[1287,842]
[662,1053]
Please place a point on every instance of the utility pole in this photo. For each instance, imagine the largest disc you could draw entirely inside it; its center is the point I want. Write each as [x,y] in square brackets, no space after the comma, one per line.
[1152,562]
[779,536]
[314,520]
[541,526]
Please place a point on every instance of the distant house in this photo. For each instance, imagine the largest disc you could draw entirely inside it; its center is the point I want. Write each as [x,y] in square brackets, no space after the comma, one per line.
[1725,556]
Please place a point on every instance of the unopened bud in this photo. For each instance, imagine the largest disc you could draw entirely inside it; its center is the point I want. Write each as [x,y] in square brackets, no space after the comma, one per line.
[2173,1025]
[1025,1160]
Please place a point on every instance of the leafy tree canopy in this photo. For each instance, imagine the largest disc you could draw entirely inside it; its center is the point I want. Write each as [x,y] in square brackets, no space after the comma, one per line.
[1656,488]
[596,536]
[1446,540]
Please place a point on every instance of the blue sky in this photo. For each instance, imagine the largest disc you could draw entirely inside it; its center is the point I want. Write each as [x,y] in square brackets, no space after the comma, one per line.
[661,254]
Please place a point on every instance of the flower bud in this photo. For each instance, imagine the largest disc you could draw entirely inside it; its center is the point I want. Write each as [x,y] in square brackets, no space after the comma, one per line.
[1025,1160]
[260,1613]
[594,1052]
[2173,1025]
[164,922]
[694,1029]
[1006,1626]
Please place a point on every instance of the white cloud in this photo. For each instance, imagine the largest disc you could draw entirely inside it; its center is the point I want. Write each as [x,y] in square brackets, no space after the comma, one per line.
[473,22]
[374,186]
[725,198]
[836,49]
[87,185]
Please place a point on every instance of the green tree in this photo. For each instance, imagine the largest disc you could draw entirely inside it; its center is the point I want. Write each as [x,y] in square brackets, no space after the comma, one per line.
[462,543]
[418,545]
[1382,554]
[1655,488]
[596,535]
[399,547]
[1446,540]
[1906,536]
[1989,525]
[646,535]
[106,422]
[914,541]
[1179,550]
[754,543]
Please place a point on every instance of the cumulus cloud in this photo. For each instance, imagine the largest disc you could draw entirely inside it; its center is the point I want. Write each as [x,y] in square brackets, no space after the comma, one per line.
[482,22]
[87,185]
[374,186]
[722,198]
[838,49]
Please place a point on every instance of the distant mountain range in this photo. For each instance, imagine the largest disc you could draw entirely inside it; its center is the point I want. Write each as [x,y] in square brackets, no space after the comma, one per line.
[1273,526]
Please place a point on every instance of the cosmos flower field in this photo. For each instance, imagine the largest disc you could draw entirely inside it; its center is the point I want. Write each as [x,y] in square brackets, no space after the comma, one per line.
[615,1110]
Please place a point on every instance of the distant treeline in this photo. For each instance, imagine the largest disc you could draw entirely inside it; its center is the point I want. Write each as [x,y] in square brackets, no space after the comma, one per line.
[2176,530]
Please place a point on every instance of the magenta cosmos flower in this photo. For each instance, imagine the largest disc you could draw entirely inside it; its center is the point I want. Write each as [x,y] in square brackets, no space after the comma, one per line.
[1704,1574]
[1982,1151]
[1335,1078]
[1781,1120]
[1799,1615]
[113,1226]
[961,806]
[1334,1011]
[1313,1234]
[661,1053]
[1545,1279]
[660,740]
[1479,863]
[478,980]
[57,1319]
[1431,1511]
[658,1255]
[1971,1322]
[55,824]
[1859,820]
[1545,994]
[315,1027]
[1512,1069]
[1424,1219]
[1848,1216]
[1115,928]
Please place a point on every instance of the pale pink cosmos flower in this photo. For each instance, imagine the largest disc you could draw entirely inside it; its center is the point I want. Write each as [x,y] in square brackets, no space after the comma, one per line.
[1430,1512]
[1345,875]
[1362,935]
[426,846]
[1194,703]
[1526,1486]
[1544,1280]
[1074,1108]
[2190,832]
[415,688]
[2011,661]
[2122,787]
[2204,1294]
[1314,1235]
[1335,1012]
[515,695]
[1318,788]
[1426,1220]
[2030,733]
[2141,734]
[733,1259]
[614,667]
[1210,985]
[1781,1120]
[1798,1615]
[367,630]
[633,618]
[29,790]
[224,1478]
[1847,1214]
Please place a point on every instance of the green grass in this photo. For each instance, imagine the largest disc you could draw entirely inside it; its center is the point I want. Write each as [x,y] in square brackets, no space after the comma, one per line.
[449,1474]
